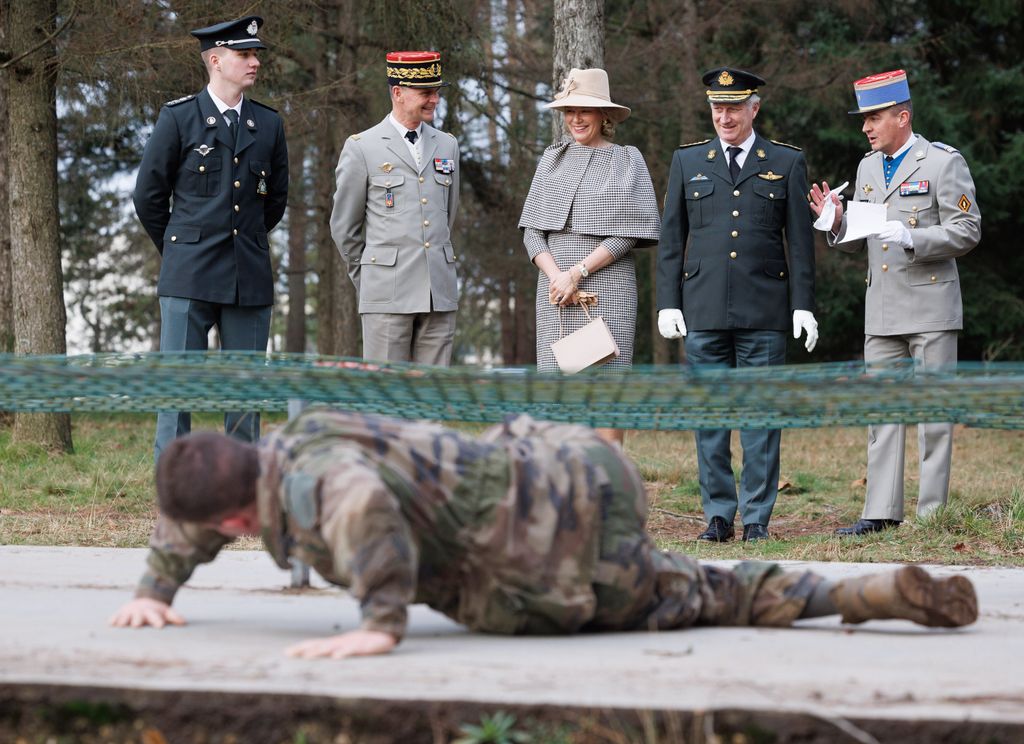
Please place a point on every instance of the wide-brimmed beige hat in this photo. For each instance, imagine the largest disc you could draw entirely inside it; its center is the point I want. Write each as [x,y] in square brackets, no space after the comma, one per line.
[588,89]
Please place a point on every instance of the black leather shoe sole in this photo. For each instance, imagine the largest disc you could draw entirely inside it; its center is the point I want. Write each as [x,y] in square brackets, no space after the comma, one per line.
[867,526]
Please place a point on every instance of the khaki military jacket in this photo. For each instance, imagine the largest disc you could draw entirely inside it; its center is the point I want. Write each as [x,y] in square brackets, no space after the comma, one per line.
[392,220]
[932,193]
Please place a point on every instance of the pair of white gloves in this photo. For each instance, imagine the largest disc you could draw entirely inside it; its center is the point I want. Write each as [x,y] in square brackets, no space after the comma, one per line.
[672,325]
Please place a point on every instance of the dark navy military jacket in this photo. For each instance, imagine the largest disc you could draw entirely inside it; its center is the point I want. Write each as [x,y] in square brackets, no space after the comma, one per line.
[736,272]
[208,204]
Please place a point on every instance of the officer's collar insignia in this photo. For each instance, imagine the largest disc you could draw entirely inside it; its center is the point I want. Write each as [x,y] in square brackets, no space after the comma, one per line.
[699,177]
[204,149]
[211,120]
[770,176]
[761,154]
[725,78]
[711,153]
[964,203]
[866,188]
[252,28]
[919,154]
[386,167]
[250,123]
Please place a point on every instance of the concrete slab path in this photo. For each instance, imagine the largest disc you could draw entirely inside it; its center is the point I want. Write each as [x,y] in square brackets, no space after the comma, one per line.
[54,605]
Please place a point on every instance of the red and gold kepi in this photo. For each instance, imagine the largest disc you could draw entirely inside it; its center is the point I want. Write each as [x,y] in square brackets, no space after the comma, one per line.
[729,85]
[415,69]
[877,92]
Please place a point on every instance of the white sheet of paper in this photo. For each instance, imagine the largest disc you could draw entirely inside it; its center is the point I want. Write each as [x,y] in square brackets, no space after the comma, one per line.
[863,219]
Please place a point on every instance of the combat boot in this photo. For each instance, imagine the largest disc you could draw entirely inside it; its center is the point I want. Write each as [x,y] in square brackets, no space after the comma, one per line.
[908,593]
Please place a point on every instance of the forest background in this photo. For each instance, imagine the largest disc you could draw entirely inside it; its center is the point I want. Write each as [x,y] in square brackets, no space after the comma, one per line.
[113,64]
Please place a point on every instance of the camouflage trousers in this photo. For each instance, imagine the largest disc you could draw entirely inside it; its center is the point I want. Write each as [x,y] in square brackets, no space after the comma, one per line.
[640,587]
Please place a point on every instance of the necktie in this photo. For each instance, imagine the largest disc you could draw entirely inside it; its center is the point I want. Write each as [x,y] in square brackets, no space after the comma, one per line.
[233,118]
[734,165]
[412,135]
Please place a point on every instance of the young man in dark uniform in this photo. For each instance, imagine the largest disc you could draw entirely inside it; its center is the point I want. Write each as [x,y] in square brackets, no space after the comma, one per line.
[212,184]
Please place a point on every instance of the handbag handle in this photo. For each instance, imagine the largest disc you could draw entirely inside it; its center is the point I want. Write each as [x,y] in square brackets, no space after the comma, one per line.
[586,298]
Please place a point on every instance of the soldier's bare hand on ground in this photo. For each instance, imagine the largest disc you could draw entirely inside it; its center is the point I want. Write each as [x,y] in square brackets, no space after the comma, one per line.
[353,643]
[142,611]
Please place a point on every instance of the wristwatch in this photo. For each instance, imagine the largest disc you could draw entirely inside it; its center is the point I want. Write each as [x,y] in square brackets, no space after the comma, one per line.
[583,270]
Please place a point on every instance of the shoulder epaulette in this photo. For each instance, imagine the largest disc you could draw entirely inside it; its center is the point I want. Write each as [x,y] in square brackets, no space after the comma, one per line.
[450,135]
[786,144]
[354,136]
[869,152]
[263,105]
[693,144]
[943,146]
[176,101]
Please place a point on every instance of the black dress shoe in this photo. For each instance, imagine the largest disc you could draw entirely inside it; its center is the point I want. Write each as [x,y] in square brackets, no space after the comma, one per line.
[755,531]
[718,531]
[867,526]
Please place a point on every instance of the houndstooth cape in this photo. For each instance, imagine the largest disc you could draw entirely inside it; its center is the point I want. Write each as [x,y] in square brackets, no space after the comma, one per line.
[622,206]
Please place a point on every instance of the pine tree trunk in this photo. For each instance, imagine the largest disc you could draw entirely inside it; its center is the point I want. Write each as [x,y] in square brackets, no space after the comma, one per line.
[578,42]
[39,313]
[298,222]
[6,299]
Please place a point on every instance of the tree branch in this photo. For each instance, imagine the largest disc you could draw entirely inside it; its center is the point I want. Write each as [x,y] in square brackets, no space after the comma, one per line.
[44,42]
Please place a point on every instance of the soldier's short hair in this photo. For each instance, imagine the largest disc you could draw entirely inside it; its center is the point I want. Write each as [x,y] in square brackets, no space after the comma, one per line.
[204,476]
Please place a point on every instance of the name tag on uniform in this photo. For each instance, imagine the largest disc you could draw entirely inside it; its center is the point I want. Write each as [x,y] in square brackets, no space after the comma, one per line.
[909,188]
[444,165]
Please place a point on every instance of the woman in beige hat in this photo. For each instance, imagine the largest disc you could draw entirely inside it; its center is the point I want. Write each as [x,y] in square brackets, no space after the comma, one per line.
[590,204]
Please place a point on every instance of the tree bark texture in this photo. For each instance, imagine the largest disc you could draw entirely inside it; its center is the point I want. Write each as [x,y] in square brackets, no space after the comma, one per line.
[298,226]
[6,299]
[39,313]
[578,42]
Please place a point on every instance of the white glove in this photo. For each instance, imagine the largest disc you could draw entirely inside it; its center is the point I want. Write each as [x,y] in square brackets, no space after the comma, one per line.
[896,233]
[804,320]
[671,323]
[828,209]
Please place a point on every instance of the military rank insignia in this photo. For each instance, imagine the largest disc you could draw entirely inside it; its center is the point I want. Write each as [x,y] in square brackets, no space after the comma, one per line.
[444,165]
[389,200]
[761,154]
[910,188]
[712,153]
[964,203]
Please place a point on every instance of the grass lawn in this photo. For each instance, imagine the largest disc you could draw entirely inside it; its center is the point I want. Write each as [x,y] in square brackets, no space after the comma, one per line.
[102,494]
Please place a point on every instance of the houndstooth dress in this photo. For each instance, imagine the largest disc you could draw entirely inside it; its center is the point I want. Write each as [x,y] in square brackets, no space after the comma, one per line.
[583,197]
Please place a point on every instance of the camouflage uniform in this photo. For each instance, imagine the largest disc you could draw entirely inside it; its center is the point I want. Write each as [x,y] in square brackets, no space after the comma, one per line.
[533,527]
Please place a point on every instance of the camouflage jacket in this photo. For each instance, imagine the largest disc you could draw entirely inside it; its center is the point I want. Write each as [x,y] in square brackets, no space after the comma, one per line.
[501,532]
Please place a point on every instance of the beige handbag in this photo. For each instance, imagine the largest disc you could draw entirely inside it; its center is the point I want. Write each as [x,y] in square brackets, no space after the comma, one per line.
[590,346]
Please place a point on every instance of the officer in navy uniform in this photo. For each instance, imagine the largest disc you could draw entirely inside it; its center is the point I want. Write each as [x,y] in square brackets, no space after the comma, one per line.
[212,184]
[739,201]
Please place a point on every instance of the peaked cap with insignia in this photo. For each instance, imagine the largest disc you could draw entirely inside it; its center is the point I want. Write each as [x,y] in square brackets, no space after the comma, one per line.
[877,92]
[729,85]
[241,33]
[415,69]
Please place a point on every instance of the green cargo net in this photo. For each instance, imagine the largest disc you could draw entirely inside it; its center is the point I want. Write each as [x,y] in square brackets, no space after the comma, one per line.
[645,397]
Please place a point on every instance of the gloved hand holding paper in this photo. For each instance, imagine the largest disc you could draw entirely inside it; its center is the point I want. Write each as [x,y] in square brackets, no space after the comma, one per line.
[828,209]
[863,220]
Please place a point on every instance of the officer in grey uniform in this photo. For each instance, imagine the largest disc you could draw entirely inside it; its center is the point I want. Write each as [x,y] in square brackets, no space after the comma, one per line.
[913,306]
[395,204]
[212,184]
[727,283]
